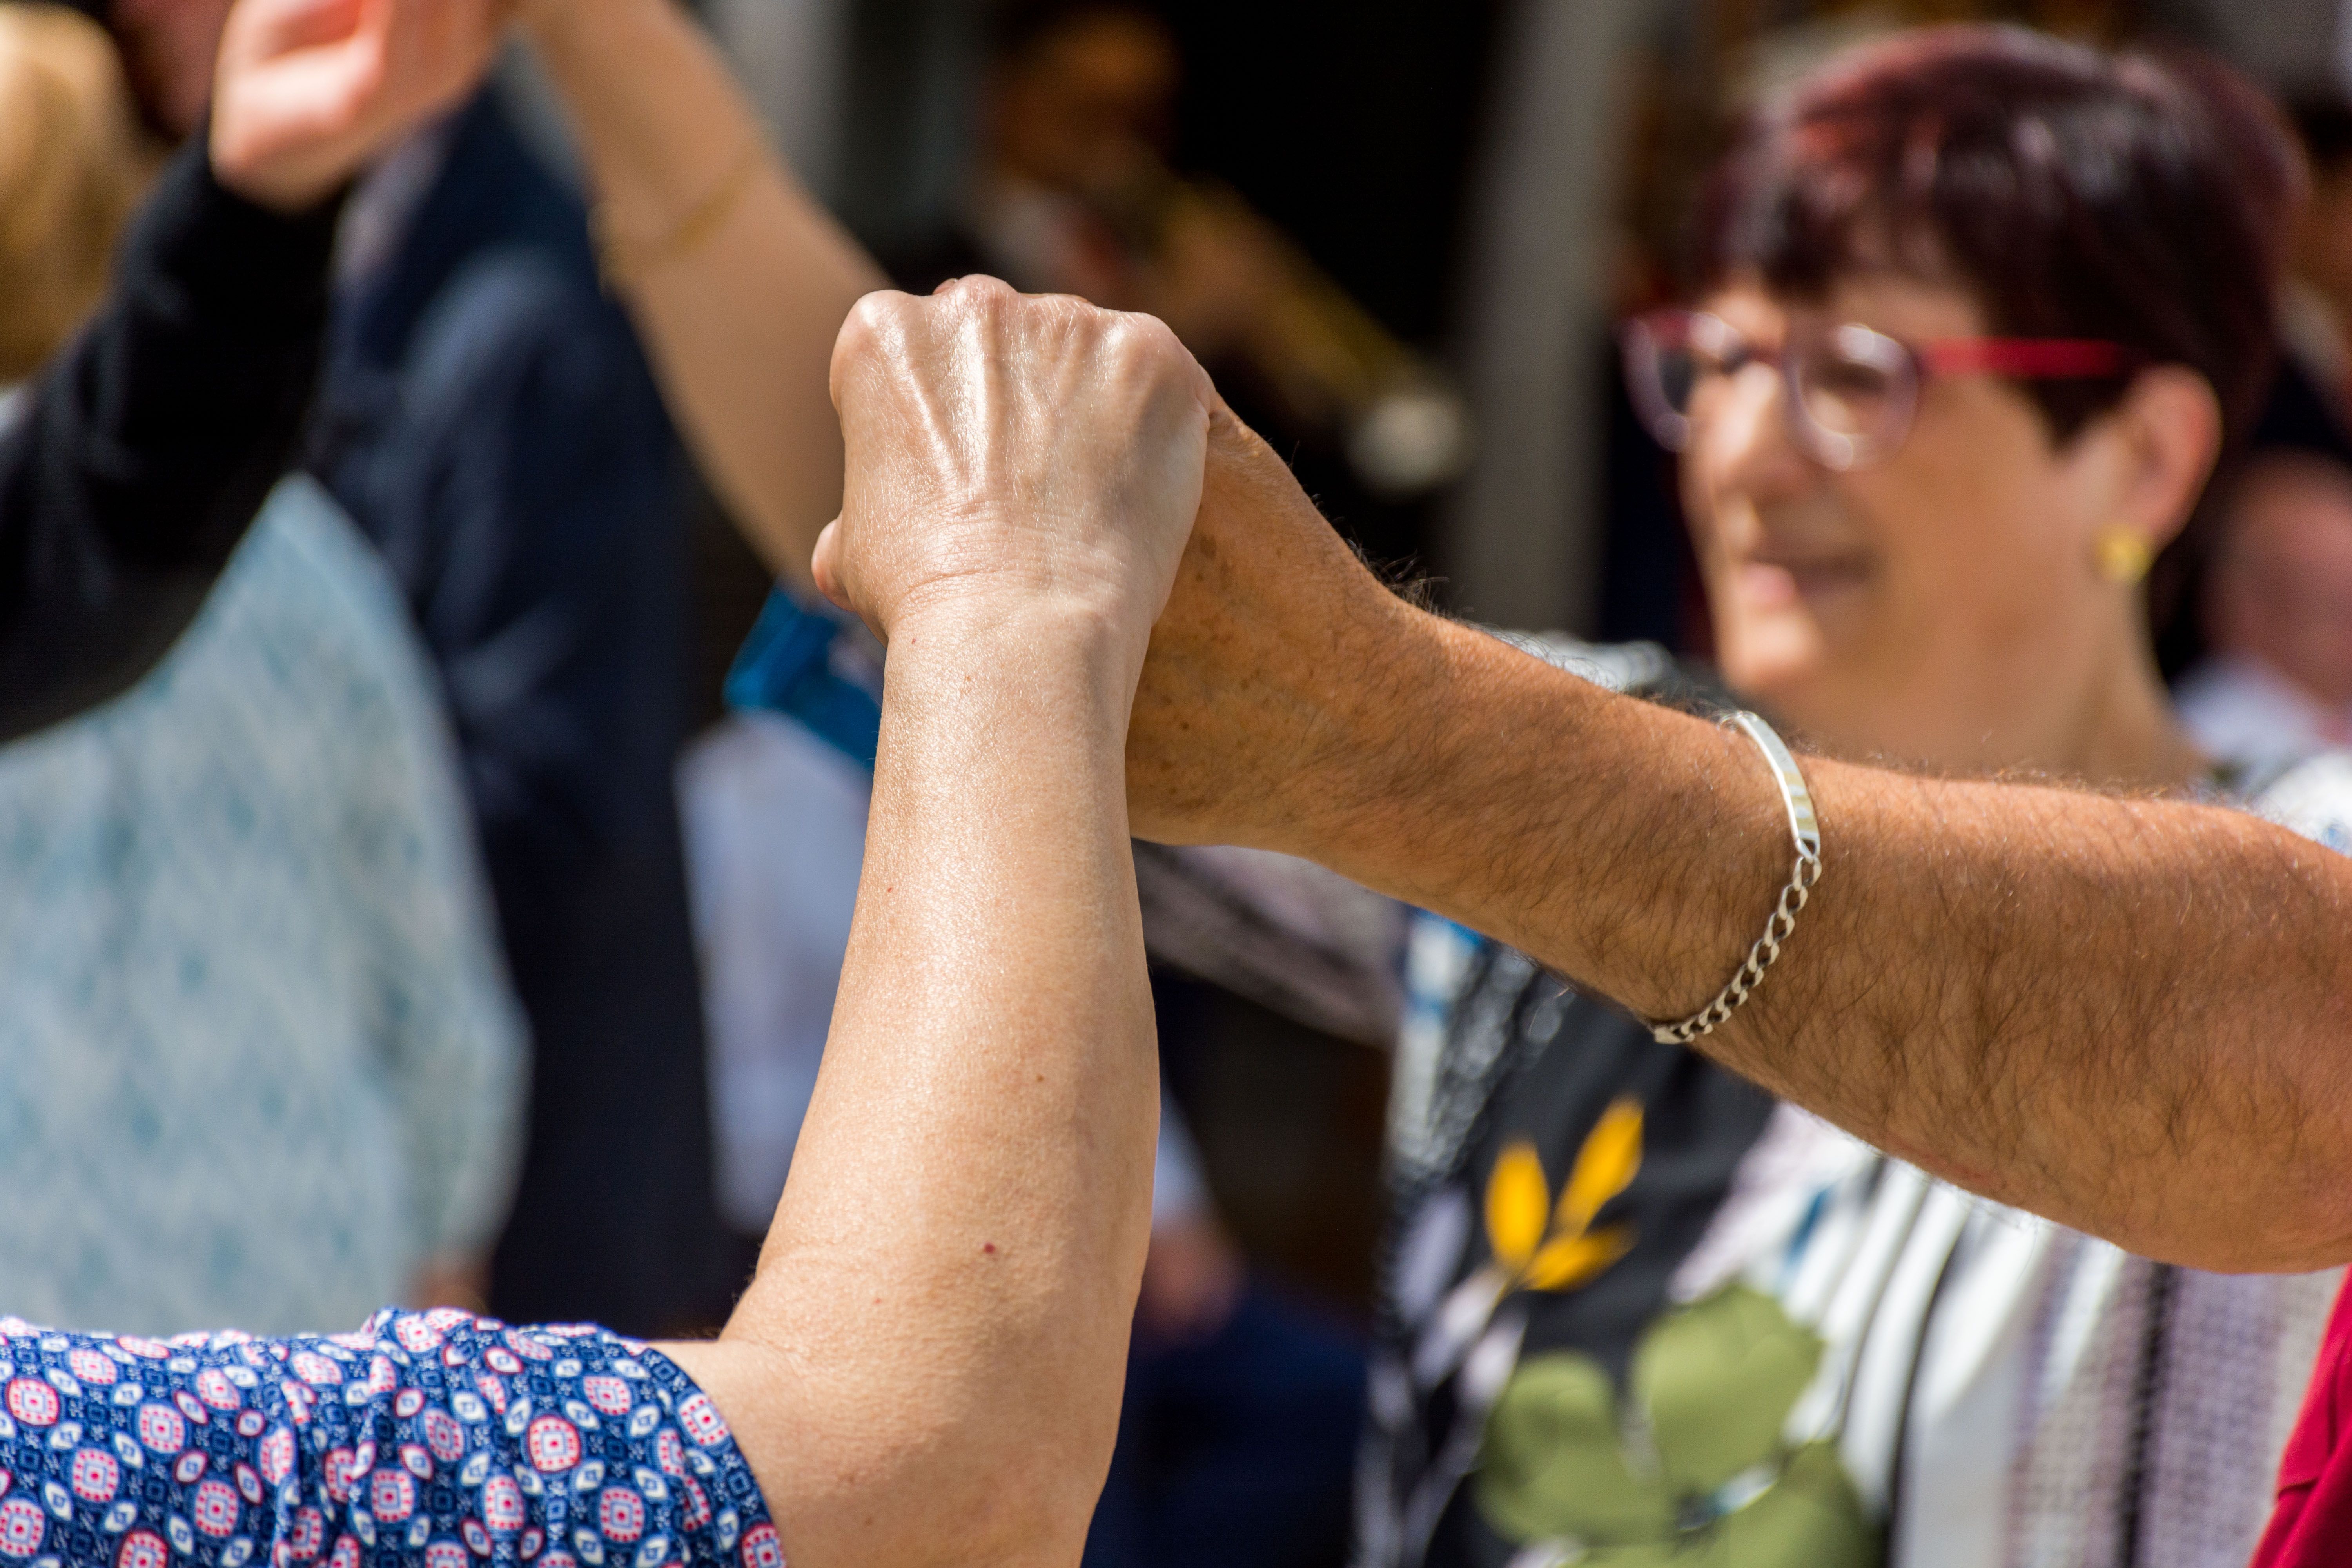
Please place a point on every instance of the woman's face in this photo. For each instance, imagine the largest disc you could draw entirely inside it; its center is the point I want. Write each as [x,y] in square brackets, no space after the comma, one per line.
[1940,606]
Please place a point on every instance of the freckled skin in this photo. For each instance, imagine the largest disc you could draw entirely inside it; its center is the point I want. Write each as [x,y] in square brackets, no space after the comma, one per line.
[2127,1015]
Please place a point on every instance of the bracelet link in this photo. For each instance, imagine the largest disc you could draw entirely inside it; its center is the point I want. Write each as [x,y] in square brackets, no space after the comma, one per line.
[1804,828]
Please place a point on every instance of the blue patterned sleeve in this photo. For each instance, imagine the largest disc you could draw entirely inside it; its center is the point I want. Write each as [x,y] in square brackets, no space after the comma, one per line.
[425,1440]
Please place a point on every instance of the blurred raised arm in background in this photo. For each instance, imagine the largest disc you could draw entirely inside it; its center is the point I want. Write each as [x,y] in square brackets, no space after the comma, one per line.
[738,279]
[147,446]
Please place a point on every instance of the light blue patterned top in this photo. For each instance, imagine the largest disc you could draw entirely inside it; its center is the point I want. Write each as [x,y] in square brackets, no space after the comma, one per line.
[258,1055]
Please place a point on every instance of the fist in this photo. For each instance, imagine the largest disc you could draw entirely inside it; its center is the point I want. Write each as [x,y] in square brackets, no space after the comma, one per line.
[1007,449]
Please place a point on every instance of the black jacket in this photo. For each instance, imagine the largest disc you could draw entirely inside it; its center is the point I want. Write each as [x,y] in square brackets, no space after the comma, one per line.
[152,440]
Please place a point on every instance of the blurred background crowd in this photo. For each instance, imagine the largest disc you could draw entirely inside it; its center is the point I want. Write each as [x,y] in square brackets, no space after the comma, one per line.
[503,818]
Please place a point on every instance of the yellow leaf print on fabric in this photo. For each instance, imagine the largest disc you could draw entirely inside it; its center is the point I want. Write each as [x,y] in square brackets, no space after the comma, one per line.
[1604,1166]
[1574,1260]
[1519,1200]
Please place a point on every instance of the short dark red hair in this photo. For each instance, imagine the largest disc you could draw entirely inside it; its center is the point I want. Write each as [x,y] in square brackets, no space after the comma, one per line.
[2074,194]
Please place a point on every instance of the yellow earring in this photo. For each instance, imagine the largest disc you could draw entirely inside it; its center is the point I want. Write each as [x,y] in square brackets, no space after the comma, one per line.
[2124,556]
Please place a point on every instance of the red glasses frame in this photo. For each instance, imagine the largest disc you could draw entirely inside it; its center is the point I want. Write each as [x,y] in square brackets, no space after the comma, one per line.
[1872,427]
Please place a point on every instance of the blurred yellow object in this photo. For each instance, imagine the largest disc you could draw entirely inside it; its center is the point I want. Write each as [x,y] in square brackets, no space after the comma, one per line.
[2123,555]
[1541,1247]
[72,166]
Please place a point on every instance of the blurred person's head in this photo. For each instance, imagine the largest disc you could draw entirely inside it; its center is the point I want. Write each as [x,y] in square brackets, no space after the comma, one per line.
[1079,90]
[2281,586]
[168,49]
[70,172]
[2030,287]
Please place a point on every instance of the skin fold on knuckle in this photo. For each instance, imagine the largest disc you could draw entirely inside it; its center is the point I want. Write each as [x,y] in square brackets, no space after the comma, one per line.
[977,309]
[859,348]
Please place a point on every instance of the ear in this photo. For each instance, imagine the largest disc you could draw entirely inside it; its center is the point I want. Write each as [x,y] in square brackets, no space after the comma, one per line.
[2166,435]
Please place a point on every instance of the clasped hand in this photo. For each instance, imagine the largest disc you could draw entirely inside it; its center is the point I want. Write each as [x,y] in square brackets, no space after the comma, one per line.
[1012,454]
[1005,450]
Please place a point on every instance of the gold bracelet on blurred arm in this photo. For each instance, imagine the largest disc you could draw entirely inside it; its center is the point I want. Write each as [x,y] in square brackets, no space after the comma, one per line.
[623,260]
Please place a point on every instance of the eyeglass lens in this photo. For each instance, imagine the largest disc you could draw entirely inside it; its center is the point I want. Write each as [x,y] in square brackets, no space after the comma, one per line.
[1851,390]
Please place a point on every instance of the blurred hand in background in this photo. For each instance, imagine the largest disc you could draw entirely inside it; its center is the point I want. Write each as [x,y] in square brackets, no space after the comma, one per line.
[1192,1280]
[307,92]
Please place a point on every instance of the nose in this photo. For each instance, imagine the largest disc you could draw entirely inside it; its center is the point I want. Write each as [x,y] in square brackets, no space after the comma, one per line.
[1740,445]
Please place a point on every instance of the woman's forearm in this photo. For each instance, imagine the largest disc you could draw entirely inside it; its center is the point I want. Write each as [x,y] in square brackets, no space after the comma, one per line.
[737,277]
[150,441]
[954,1265]
[927,1369]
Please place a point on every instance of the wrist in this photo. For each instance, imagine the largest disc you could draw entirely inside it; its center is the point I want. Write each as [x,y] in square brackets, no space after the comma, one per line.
[571,28]
[1289,696]
[255,267]
[1079,622]
[291,194]
[1025,641]
[1385,737]
[277,183]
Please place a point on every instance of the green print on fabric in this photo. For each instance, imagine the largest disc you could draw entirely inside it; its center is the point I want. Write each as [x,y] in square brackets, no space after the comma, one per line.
[1693,1473]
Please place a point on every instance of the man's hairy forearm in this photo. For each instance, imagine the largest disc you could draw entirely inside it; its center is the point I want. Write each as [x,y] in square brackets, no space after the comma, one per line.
[2134,1016]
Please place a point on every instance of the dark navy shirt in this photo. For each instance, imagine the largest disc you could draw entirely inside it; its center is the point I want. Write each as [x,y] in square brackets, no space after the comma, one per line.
[489,420]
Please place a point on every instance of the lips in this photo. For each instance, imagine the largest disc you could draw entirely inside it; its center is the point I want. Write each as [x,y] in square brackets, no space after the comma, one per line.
[1782,579]
[1767,587]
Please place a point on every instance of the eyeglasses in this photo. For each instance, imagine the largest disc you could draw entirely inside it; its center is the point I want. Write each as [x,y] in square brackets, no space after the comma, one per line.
[1851,391]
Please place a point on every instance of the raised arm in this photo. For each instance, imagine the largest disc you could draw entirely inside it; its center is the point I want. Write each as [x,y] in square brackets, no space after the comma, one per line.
[154,438]
[927,1368]
[2133,1017]
[737,277]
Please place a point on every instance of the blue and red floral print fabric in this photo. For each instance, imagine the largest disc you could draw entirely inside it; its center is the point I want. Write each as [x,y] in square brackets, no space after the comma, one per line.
[425,1440]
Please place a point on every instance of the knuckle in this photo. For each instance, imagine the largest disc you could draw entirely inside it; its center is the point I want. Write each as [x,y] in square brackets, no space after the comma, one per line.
[855,340]
[1125,336]
[1149,347]
[887,308]
[1067,317]
[977,296]
[872,321]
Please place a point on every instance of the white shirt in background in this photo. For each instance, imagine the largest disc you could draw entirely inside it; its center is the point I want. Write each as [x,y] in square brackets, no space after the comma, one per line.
[2238,710]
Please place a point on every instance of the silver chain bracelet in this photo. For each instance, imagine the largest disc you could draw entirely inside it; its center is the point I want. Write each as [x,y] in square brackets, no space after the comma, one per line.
[1806,829]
